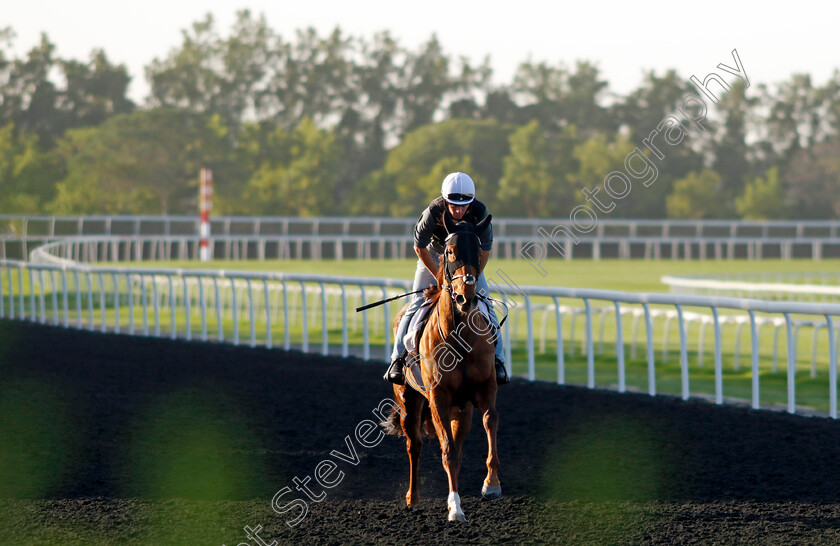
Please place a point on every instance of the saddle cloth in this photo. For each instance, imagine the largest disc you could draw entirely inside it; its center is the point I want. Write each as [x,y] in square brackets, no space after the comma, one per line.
[412,340]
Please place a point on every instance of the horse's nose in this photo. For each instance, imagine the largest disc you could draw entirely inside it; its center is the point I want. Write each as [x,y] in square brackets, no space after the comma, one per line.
[460,299]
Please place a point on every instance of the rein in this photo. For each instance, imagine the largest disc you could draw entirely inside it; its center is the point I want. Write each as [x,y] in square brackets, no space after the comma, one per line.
[507,312]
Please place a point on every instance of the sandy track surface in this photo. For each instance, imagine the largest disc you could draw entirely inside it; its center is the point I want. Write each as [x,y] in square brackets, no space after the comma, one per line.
[118,439]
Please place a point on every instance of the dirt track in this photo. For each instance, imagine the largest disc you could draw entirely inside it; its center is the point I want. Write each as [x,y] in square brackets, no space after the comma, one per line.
[578,466]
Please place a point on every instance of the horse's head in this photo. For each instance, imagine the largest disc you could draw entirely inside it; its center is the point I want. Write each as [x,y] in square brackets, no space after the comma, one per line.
[461,267]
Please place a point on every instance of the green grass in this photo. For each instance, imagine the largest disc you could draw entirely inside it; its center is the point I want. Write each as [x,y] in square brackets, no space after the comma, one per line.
[624,275]
[811,392]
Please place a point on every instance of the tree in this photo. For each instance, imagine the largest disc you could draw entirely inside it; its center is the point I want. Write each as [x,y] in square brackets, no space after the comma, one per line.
[813,178]
[144,162]
[536,181]
[212,75]
[500,106]
[369,125]
[94,91]
[426,82]
[583,101]
[93,186]
[312,80]
[763,198]
[731,151]
[479,144]
[831,98]
[697,196]
[29,98]
[303,182]
[27,174]
[795,120]
[599,157]
[645,107]
[557,97]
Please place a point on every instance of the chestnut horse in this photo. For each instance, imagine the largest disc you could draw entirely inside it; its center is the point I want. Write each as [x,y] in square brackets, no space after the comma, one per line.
[457,362]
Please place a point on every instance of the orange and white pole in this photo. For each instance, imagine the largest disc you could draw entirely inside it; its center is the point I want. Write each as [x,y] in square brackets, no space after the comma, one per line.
[205,205]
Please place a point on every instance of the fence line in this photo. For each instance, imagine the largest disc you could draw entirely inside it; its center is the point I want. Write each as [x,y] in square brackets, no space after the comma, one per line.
[365,225]
[227,305]
[798,286]
[366,237]
[339,247]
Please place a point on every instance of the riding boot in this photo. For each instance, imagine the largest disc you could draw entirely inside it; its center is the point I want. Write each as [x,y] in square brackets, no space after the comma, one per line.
[501,373]
[395,373]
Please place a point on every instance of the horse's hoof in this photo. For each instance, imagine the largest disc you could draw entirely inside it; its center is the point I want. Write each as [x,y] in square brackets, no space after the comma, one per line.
[491,492]
[457,516]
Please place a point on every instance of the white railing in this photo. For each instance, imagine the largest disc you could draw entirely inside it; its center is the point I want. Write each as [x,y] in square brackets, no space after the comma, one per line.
[366,237]
[263,247]
[190,304]
[823,287]
[168,300]
[52,226]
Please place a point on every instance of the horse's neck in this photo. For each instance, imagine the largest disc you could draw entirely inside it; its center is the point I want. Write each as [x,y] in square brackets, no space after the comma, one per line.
[445,314]
[448,327]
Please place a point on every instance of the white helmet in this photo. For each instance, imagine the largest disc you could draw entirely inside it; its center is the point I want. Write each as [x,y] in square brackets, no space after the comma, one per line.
[458,189]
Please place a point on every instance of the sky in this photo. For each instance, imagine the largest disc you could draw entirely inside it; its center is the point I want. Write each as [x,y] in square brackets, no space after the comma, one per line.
[624,39]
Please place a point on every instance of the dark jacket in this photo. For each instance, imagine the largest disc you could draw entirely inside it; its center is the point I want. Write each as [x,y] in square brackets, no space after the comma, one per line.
[430,229]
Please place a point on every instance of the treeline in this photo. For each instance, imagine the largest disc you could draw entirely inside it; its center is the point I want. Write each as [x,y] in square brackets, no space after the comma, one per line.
[342,125]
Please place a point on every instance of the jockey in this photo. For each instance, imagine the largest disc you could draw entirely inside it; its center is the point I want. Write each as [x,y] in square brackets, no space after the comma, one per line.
[457,196]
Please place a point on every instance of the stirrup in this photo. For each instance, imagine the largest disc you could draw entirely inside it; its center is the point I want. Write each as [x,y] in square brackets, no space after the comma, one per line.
[395,373]
[501,373]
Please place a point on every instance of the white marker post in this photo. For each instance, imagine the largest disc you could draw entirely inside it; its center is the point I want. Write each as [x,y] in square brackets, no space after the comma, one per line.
[205,205]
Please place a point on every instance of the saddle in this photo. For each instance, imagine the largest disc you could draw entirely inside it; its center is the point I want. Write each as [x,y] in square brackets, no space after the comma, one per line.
[413,372]
[411,340]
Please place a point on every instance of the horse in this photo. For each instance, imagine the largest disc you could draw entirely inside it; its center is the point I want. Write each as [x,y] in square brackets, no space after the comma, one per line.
[456,354]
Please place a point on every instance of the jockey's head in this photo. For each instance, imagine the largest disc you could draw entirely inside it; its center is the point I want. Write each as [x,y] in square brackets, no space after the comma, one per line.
[458,189]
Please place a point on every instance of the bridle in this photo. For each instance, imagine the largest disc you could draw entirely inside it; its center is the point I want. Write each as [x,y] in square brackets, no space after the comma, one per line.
[470,256]
[450,267]
[460,261]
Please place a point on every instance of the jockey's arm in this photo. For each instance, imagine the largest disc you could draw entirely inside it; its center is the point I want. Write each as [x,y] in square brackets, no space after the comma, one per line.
[426,257]
[483,257]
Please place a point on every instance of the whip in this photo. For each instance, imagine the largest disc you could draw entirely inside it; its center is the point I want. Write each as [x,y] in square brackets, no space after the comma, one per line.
[380,302]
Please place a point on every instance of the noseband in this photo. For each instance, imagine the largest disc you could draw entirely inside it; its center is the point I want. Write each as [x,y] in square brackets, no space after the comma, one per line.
[468,279]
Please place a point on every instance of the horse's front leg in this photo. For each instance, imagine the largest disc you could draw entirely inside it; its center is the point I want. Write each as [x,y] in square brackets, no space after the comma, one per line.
[411,422]
[461,422]
[451,454]
[492,488]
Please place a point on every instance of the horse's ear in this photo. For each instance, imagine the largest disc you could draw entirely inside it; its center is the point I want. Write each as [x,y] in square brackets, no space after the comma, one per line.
[448,222]
[483,225]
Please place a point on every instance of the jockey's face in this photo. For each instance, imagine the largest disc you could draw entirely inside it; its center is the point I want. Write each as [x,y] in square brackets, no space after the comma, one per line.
[457,211]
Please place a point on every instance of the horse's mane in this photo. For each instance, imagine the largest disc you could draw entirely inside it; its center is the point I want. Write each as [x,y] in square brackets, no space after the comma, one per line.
[433,293]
